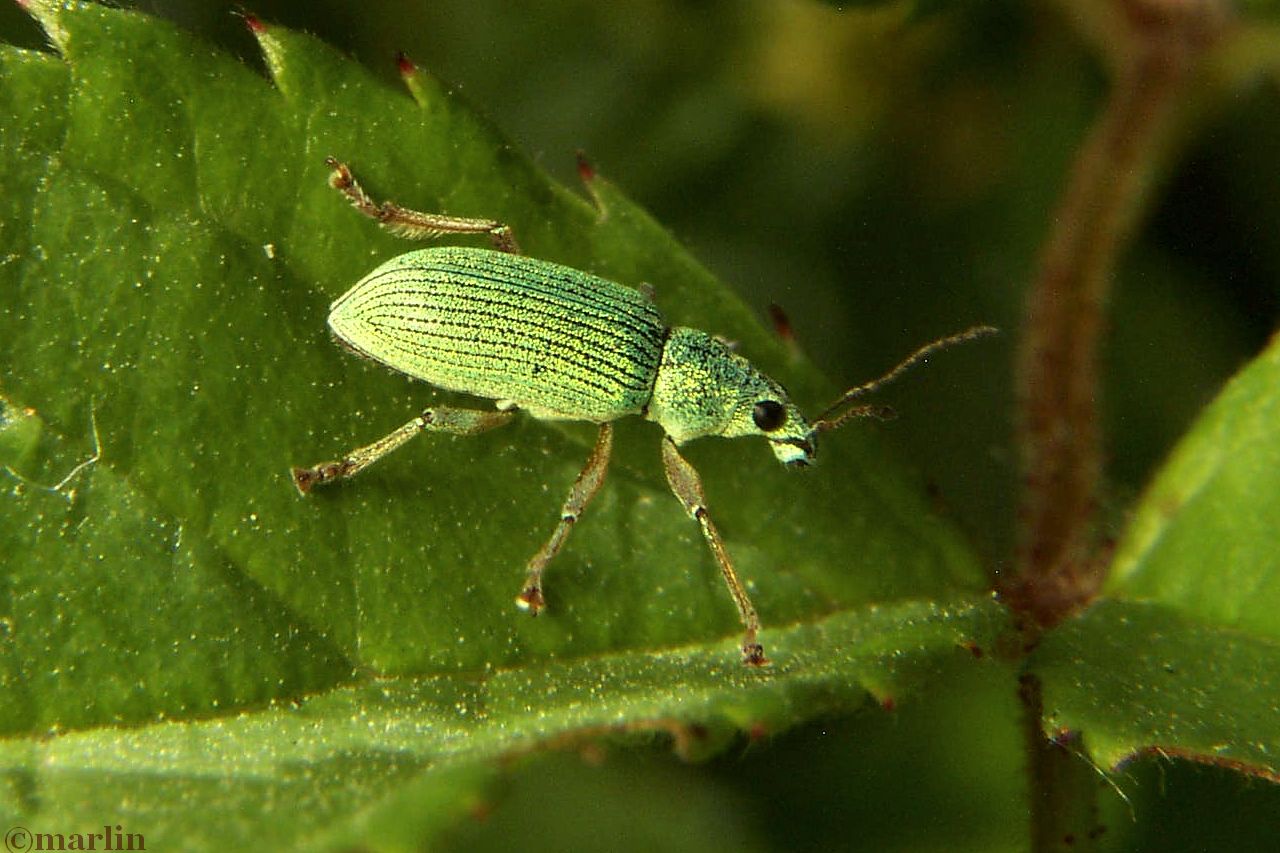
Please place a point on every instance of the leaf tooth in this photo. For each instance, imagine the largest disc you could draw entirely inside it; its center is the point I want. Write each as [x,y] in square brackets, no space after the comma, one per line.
[48,13]
[253,22]
[273,50]
[413,79]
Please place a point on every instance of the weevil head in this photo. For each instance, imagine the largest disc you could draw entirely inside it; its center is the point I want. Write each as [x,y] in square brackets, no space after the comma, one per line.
[794,442]
[704,388]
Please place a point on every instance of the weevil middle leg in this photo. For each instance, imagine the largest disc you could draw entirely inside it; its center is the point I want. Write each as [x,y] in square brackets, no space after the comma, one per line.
[580,494]
[414,224]
[687,487]
[440,419]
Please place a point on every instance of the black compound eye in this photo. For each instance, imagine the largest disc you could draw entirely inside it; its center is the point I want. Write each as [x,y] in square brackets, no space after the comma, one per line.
[768,415]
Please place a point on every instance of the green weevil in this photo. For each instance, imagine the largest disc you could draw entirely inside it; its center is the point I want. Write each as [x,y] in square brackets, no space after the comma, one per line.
[562,344]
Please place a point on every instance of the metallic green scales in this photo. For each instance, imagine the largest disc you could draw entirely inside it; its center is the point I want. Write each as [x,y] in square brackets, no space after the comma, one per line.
[555,341]
[561,343]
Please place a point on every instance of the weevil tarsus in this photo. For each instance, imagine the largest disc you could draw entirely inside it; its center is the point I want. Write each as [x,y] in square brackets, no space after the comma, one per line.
[443,419]
[580,494]
[414,224]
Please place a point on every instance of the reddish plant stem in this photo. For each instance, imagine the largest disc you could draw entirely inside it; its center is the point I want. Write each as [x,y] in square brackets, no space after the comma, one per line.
[1063,790]
[1060,565]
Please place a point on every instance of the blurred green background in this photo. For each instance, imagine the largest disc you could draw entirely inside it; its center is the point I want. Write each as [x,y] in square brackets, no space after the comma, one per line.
[886,173]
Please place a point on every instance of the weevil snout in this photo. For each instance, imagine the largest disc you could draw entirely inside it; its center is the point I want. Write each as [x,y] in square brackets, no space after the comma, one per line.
[795,452]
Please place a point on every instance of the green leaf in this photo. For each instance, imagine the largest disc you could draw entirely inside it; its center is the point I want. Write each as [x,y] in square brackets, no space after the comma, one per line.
[1203,538]
[1183,659]
[168,250]
[1137,678]
[343,759]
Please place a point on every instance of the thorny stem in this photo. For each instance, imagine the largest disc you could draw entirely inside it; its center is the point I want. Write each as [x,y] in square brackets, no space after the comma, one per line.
[1060,564]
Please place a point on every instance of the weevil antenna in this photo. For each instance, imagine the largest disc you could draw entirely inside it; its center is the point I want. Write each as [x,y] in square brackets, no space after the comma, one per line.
[830,420]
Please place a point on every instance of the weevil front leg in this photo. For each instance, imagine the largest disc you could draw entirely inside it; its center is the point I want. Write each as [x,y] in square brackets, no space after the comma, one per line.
[441,419]
[414,224]
[687,486]
[583,490]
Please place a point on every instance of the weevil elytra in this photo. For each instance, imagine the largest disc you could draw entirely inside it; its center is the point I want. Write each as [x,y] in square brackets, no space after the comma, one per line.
[563,344]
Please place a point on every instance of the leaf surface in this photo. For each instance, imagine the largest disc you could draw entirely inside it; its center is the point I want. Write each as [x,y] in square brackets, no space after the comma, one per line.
[200,641]
[1181,658]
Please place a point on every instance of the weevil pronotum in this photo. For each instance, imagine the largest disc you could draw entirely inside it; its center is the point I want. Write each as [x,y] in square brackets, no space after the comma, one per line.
[563,344]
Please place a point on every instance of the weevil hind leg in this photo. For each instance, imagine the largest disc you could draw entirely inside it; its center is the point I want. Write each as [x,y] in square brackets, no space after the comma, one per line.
[440,419]
[687,487]
[414,224]
[580,494]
